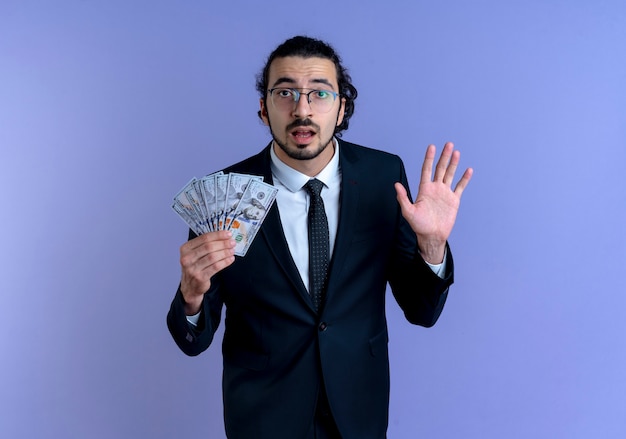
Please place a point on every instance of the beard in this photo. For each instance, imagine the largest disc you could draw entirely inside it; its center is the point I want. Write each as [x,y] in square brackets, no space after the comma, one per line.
[304,152]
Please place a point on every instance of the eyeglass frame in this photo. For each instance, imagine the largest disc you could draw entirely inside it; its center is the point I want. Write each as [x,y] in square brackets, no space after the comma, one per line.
[298,94]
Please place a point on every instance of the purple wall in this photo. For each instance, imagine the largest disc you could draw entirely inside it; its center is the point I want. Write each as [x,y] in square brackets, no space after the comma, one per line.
[108,108]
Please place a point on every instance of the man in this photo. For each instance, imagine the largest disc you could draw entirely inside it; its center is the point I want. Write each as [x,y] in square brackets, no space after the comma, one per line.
[305,352]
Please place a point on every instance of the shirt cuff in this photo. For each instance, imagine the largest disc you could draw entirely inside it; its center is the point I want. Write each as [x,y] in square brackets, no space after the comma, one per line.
[438,269]
[194,318]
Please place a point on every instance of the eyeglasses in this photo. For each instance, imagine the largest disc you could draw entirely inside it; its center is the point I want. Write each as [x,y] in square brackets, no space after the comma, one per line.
[286,99]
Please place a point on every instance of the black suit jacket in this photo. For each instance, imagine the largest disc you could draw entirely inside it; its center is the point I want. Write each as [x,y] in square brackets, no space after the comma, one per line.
[277,348]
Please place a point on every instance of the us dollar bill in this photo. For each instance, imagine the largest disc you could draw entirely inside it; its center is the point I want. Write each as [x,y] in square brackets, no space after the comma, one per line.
[237,185]
[221,187]
[236,202]
[195,200]
[187,211]
[252,209]
[207,188]
[188,217]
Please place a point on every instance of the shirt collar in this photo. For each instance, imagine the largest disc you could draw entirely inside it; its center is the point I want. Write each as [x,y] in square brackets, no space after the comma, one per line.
[294,180]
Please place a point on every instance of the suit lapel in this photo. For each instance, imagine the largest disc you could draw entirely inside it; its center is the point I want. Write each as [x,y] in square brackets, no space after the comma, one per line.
[274,237]
[272,232]
[348,205]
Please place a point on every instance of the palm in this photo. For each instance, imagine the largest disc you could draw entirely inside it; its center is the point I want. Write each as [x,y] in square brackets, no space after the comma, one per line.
[434,211]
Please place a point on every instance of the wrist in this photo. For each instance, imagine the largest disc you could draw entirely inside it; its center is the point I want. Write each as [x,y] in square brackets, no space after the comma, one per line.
[191,309]
[193,304]
[432,251]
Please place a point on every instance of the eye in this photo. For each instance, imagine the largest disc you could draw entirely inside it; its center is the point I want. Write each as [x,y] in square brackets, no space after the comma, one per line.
[322,94]
[284,93]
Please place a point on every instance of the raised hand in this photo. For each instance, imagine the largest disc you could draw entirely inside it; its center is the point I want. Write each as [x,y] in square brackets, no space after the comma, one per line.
[200,259]
[436,205]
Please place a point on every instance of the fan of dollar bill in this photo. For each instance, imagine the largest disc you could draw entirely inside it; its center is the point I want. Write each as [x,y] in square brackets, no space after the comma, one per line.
[235,202]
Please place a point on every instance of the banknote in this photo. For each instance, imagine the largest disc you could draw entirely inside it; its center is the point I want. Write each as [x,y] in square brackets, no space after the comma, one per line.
[187,210]
[207,189]
[191,221]
[250,213]
[221,186]
[195,200]
[197,196]
[237,185]
[236,202]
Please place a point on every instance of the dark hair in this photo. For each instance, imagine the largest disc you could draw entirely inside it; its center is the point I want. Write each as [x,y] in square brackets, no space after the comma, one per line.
[307,47]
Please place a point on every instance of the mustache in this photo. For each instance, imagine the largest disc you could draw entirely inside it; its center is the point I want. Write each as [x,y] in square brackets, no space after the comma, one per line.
[302,123]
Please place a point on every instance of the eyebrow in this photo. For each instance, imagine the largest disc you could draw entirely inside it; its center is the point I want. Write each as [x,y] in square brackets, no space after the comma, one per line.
[287,80]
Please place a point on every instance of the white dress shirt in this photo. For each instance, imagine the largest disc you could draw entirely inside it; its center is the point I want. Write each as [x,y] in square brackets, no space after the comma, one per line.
[293,206]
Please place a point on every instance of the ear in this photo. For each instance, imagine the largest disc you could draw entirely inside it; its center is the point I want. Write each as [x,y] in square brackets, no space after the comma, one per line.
[263,112]
[342,111]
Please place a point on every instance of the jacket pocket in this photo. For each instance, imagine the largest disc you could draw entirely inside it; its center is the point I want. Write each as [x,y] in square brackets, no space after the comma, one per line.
[378,344]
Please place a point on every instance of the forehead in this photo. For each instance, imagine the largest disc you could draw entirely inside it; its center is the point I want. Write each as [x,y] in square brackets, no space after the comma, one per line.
[302,72]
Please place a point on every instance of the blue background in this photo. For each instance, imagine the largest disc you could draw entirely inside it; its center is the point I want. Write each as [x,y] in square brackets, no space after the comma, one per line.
[108,108]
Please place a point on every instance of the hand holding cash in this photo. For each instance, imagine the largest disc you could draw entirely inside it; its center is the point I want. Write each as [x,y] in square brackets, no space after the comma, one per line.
[200,259]
[234,202]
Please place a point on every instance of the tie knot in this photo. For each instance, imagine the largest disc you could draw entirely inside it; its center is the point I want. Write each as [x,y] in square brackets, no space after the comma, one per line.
[314,187]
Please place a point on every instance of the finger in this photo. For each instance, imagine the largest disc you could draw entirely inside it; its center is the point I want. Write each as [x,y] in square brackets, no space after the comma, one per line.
[452,166]
[401,192]
[214,263]
[205,243]
[206,238]
[196,275]
[444,159]
[463,182]
[403,197]
[196,251]
[427,166]
[196,283]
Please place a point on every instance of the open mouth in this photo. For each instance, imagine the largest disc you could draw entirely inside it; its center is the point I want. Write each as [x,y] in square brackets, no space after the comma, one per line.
[303,134]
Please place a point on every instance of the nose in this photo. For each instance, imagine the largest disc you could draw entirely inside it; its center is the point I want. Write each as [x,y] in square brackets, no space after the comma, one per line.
[303,107]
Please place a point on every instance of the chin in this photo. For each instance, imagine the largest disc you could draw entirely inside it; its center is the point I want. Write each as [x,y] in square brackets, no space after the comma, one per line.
[307,152]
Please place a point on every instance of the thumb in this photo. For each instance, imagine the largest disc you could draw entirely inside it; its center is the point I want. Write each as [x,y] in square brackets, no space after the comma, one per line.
[402,197]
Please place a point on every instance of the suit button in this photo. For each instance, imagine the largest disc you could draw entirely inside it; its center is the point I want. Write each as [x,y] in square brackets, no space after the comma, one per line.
[322,327]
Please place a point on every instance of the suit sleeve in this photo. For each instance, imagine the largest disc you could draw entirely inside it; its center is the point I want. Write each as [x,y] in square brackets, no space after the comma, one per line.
[193,340]
[420,293]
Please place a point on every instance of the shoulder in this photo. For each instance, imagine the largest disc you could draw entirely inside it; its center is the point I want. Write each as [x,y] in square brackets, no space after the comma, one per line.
[363,156]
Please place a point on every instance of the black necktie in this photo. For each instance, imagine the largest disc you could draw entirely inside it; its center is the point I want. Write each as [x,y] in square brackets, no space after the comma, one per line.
[318,242]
